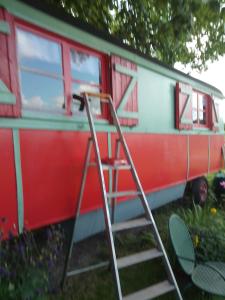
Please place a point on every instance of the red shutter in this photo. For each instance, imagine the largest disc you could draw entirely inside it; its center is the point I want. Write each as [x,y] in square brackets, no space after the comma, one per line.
[124,87]
[183,104]
[214,115]
[8,66]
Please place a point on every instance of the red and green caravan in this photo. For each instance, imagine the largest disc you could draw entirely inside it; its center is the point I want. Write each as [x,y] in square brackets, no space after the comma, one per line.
[171,121]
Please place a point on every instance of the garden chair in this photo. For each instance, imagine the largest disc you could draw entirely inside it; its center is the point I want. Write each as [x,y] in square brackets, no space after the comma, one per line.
[208,276]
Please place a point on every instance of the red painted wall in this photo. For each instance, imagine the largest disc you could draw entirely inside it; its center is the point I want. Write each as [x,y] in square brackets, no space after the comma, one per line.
[52,163]
[8,194]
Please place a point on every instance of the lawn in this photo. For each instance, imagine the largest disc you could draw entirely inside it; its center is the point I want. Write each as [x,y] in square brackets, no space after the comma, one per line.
[99,284]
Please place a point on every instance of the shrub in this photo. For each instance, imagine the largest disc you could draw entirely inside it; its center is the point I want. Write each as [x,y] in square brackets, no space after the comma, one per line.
[207,228]
[27,266]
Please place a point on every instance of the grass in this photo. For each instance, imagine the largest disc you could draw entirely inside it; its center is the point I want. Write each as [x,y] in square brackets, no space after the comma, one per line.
[99,284]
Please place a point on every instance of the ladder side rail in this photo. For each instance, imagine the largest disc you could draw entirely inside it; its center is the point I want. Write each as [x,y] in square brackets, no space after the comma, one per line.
[115,180]
[143,197]
[77,209]
[104,196]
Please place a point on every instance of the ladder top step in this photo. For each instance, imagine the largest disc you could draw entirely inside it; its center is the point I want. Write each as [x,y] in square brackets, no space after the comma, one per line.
[151,292]
[137,258]
[114,162]
[130,224]
[123,194]
[102,96]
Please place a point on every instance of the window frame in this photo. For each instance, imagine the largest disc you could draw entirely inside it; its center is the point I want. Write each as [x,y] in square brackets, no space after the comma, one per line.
[21,25]
[198,110]
[66,45]
[102,84]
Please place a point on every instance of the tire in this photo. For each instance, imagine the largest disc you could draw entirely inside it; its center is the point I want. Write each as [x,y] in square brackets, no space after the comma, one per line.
[200,191]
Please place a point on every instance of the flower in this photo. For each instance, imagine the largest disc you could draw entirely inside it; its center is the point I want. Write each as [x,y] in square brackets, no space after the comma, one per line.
[196,240]
[213,210]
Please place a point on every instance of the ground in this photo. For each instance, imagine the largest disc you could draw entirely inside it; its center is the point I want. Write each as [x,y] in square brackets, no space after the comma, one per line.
[99,284]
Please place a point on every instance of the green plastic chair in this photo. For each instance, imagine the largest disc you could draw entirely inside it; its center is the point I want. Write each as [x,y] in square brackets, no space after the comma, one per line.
[209,276]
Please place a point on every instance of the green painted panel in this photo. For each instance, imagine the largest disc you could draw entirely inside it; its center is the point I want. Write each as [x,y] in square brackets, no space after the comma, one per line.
[126,71]
[4,27]
[19,182]
[156,102]
[45,21]
[6,96]
[64,126]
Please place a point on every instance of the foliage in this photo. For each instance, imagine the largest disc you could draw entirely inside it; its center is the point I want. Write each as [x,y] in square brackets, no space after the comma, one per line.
[26,267]
[207,227]
[186,31]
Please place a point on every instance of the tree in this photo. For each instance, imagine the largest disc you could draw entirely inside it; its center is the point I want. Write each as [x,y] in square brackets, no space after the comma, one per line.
[186,31]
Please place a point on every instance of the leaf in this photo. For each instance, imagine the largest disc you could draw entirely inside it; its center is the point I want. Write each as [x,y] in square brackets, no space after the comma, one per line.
[11,287]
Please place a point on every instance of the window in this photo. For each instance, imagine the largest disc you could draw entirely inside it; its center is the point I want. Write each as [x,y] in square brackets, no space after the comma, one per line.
[195,109]
[86,76]
[41,72]
[200,113]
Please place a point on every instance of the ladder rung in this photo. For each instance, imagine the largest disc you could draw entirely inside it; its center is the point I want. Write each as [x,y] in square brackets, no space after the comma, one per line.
[152,292]
[87,269]
[123,194]
[137,258]
[110,167]
[92,164]
[118,167]
[130,224]
[102,96]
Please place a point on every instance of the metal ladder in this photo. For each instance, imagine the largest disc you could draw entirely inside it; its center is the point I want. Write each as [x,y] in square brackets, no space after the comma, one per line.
[118,263]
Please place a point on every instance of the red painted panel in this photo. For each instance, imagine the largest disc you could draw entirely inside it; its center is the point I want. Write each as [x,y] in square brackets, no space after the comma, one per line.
[8,195]
[120,83]
[156,158]
[51,166]
[52,163]
[8,66]
[216,161]
[198,155]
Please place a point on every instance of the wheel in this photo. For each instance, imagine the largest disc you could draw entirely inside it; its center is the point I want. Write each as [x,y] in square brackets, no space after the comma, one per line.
[200,190]
[219,185]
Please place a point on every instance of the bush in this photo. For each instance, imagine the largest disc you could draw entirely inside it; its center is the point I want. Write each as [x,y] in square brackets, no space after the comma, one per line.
[27,267]
[207,228]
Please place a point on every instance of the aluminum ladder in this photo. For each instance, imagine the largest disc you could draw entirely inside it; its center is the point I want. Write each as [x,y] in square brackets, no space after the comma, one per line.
[150,292]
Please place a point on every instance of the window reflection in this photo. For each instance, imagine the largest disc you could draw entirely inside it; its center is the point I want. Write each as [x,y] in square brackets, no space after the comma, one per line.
[202,117]
[201,102]
[194,100]
[200,108]
[85,67]
[37,93]
[36,52]
[95,102]
[195,116]
[41,81]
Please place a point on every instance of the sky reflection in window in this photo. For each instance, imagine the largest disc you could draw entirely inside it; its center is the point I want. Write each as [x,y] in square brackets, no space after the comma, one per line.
[85,67]
[36,52]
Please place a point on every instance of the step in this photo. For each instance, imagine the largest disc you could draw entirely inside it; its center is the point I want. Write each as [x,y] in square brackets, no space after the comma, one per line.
[130,224]
[151,292]
[116,167]
[110,167]
[123,194]
[88,269]
[137,258]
